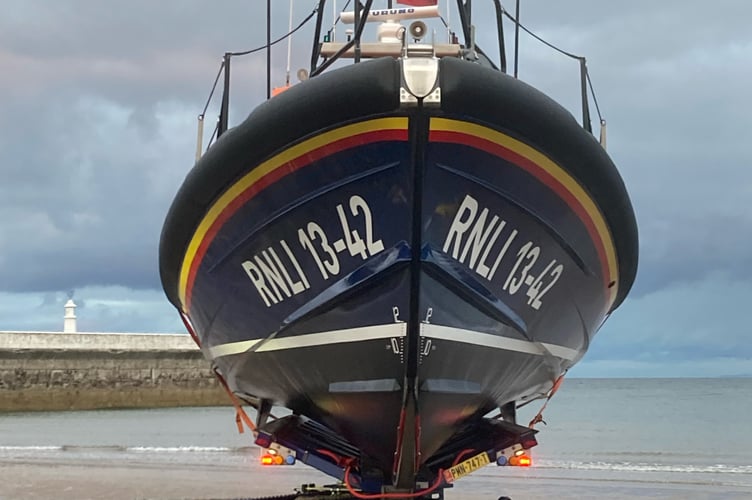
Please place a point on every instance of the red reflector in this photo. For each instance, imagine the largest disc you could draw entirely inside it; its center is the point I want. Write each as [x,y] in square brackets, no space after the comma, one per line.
[267,460]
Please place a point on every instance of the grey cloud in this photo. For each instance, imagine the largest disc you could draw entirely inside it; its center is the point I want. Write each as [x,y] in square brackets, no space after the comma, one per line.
[99,115]
[681,323]
[124,31]
[99,132]
[688,247]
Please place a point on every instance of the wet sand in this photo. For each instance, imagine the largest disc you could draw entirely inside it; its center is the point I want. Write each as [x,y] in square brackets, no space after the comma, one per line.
[92,480]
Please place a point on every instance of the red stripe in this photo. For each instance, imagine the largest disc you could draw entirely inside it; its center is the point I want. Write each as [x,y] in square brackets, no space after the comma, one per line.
[539,173]
[278,173]
[418,3]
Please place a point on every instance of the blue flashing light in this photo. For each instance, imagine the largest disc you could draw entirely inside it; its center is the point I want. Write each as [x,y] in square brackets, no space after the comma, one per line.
[502,460]
[290,459]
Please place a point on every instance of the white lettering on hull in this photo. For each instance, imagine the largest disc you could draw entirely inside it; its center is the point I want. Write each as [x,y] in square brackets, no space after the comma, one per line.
[472,239]
[278,276]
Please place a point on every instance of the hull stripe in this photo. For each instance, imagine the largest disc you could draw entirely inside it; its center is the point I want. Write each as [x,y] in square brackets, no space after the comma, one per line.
[394,330]
[395,128]
[546,171]
[269,172]
[376,332]
[497,342]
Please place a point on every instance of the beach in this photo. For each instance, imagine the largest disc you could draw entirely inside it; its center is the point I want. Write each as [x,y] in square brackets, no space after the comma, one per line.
[144,481]
[608,438]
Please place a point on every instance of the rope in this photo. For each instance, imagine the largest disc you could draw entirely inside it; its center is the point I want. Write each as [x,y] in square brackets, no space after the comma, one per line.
[569,54]
[421,493]
[539,417]
[564,52]
[462,455]
[336,21]
[243,53]
[595,100]
[283,37]
[214,87]
[213,136]
[240,415]
[189,327]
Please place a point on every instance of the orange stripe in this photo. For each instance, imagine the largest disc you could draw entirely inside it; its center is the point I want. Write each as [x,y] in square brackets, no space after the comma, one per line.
[295,156]
[546,170]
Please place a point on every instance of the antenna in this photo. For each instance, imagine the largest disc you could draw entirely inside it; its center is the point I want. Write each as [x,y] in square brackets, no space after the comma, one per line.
[334,20]
[289,47]
[516,37]
[449,20]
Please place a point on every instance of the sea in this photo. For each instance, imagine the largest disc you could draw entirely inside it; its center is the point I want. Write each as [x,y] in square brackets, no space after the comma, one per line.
[658,431]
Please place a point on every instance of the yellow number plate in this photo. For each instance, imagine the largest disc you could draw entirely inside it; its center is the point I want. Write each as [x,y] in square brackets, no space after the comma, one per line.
[464,468]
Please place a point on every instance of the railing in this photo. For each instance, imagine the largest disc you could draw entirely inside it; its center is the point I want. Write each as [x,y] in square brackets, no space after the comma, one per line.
[330,52]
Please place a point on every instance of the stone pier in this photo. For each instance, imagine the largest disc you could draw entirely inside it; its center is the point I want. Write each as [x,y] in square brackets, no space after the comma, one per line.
[76,371]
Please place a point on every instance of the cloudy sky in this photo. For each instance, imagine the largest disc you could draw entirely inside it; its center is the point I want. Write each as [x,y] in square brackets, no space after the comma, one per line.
[98,106]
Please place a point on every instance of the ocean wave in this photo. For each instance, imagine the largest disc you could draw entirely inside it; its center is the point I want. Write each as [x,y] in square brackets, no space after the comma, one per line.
[134,449]
[645,467]
[661,453]
[189,449]
[84,448]
[541,463]
[31,448]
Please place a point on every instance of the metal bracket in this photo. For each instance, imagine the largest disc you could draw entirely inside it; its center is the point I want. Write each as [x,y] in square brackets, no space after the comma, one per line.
[420,81]
[395,314]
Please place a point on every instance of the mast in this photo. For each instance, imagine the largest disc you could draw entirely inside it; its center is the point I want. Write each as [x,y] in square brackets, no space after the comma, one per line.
[317,36]
[225,106]
[334,21]
[356,9]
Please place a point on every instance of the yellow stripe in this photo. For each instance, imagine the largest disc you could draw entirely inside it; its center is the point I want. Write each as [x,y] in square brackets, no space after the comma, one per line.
[265,168]
[545,163]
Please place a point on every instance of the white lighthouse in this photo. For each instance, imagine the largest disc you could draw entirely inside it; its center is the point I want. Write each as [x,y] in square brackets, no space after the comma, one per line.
[69,320]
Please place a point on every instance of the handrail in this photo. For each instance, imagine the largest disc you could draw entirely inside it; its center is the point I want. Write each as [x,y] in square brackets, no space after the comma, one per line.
[331,52]
[356,36]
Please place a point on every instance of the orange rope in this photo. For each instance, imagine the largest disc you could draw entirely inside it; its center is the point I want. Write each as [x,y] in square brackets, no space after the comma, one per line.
[240,415]
[539,417]
[189,327]
[338,460]
[373,496]
[462,455]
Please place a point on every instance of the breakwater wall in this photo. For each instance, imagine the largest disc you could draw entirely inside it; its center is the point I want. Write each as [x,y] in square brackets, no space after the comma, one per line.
[77,371]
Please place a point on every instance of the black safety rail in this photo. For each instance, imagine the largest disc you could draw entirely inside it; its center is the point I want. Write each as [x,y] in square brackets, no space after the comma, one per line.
[471,50]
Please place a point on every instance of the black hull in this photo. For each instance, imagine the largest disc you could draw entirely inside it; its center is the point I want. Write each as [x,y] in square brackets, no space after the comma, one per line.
[394,271]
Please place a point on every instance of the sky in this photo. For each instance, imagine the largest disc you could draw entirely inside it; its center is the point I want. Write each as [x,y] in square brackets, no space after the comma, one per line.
[98,107]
